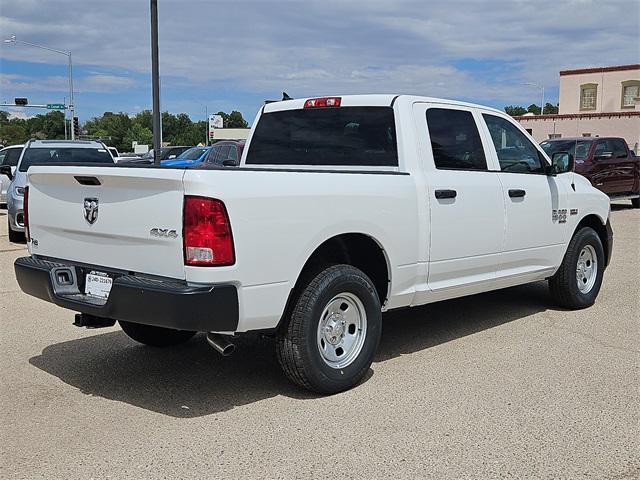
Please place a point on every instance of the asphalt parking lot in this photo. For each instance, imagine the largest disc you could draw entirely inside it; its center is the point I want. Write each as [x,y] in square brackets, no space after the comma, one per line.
[499,385]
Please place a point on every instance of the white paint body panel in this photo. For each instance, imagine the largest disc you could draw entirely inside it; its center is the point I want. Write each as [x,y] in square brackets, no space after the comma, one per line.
[434,249]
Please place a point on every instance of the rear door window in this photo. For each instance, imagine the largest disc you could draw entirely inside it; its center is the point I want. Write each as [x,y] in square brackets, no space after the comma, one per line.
[619,148]
[515,151]
[455,140]
[349,136]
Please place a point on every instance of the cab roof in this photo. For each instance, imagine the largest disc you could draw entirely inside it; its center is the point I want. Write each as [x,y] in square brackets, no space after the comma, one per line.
[369,100]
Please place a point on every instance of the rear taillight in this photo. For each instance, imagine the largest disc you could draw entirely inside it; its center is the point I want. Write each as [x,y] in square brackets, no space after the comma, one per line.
[323,102]
[25,212]
[206,233]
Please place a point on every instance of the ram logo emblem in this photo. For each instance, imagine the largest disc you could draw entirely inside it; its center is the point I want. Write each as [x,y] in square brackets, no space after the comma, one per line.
[91,210]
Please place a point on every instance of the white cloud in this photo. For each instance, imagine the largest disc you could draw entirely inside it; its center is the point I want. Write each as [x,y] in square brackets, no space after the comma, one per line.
[309,47]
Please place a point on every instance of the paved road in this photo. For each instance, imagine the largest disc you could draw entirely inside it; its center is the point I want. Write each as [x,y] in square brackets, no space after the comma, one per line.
[499,385]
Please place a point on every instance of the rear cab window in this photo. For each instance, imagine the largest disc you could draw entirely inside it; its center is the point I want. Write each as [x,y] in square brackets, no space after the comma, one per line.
[341,136]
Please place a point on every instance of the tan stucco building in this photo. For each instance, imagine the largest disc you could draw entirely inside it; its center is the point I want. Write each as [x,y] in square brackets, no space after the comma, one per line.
[603,101]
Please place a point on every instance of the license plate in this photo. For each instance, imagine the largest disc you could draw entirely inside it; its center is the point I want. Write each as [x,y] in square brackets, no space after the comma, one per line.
[98,284]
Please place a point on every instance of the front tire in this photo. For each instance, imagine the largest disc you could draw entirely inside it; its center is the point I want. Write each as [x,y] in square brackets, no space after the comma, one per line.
[333,331]
[15,237]
[577,282]
[155,336]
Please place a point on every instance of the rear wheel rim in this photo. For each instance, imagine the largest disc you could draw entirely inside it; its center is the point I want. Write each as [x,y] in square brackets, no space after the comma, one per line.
[586,269]
[342,330]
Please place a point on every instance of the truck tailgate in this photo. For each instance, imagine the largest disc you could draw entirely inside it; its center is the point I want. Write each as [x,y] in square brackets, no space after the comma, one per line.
[130,202]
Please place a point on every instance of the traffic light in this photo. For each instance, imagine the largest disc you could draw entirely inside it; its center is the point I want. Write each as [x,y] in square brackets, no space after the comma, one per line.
[76,127]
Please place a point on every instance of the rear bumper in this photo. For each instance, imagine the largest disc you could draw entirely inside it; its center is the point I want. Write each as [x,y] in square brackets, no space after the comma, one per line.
[162,302]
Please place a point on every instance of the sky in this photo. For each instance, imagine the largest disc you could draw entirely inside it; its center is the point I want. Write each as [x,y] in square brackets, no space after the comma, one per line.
[219,55]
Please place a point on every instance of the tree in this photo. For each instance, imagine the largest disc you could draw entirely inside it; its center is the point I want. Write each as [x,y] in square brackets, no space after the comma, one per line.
[550,109]
[515,110]
[533,108]
[137,133]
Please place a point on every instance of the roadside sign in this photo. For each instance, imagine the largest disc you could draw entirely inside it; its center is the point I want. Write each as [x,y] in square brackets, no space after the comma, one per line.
[215,121]
[55,106]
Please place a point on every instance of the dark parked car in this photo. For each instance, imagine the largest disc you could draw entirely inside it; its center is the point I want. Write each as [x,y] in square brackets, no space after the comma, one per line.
[225,152]
[166,153]
[606,161]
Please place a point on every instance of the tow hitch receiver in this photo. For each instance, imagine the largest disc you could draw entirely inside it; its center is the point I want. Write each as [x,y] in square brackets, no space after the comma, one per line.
[91,321]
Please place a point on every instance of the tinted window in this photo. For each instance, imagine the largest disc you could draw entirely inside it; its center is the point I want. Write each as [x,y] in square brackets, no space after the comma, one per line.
[578,148]
[455,140]
[326,136]
[40,156]
[218,153]
[619,148]
[192,154]
[10,156]
[515,152]
[611,149]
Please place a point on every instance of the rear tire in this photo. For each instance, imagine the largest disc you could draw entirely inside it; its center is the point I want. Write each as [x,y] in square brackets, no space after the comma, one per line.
[155,336]
[635,202]
[333,331]
[577,282]
[15,237]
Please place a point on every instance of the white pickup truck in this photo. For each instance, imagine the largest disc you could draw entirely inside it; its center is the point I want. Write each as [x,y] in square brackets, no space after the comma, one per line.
[341,208]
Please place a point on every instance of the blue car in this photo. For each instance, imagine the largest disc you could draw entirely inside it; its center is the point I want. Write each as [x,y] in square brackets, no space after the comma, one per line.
[188,158]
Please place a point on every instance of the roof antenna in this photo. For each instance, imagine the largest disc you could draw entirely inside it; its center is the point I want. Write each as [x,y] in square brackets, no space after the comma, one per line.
[285,96]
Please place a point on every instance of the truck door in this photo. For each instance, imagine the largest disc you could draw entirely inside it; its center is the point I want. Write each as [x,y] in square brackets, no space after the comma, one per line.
[466,207]
[613,167]
[535,203]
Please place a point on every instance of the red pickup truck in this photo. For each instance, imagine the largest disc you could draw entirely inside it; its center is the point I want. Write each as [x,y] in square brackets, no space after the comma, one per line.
[606,161]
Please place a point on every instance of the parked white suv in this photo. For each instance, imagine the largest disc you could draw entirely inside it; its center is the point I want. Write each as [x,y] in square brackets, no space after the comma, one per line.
[341,208]
[44,152]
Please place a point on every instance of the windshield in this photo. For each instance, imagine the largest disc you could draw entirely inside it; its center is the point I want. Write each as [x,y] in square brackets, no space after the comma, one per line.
[362,136]
[578,148]
[40,156]
[192,154]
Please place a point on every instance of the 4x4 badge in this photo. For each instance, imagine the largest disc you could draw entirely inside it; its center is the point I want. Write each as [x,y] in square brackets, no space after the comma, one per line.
[91,210]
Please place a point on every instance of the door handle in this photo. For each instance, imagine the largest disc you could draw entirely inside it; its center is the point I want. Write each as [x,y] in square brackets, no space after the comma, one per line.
[517,193]
[440,194]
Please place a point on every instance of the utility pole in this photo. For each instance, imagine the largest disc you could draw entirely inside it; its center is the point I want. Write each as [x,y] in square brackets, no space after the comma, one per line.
[155,82]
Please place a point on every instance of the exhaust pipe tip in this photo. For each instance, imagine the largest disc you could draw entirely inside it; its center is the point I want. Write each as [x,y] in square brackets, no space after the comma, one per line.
[220,343]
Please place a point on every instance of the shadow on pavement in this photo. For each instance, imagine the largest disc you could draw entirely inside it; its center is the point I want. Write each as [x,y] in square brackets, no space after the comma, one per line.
[192,380]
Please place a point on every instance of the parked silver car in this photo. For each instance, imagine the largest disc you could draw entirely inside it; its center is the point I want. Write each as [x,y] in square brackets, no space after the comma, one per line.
[9,156]
[39,152]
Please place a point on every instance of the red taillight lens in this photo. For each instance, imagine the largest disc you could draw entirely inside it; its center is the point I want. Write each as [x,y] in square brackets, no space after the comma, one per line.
[206,233]
[323,102]
[25,211]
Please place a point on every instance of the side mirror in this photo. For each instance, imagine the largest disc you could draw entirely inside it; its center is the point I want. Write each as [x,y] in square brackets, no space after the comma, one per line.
[229,163]
[603,156]
[6,170]
[561,162]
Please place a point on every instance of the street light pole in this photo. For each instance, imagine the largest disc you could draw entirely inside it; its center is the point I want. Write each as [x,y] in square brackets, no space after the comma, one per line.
[72,106]
[155,82]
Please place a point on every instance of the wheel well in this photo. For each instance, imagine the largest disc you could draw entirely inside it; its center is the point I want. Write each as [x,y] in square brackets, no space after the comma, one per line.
[356,249]
[594,222]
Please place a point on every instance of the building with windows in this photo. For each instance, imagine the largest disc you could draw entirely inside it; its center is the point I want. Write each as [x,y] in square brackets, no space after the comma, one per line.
[602,101]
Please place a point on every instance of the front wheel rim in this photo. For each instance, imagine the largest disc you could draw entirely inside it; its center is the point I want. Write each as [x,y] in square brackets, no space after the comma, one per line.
[586,269]
[342,330]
